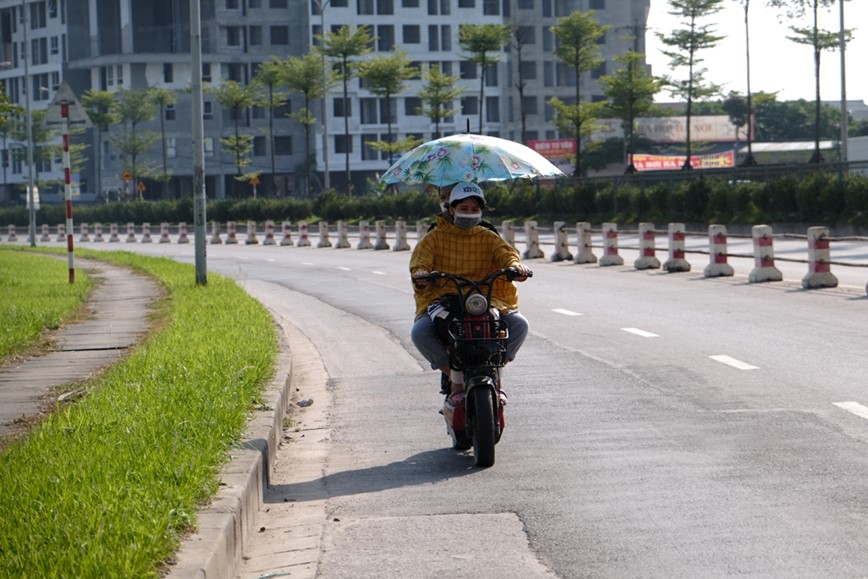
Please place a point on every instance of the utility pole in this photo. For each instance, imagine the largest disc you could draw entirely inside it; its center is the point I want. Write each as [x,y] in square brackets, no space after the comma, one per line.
[198,143]
[845,114]
[325,126]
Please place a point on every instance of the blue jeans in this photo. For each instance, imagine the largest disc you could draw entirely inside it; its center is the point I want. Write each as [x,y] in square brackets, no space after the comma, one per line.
[425,339]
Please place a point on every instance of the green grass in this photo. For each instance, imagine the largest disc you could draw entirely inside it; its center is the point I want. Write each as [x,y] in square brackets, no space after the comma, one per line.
[36,296]
[108,486]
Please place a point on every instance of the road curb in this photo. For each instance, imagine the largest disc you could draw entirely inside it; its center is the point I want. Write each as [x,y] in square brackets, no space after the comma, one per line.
[223,526]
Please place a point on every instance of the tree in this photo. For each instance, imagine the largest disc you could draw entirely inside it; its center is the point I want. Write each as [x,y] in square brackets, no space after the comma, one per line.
[483,42]
[749,160]
[438,96]
[133,108]
[344,45]
[164,98]
[519,39]
[577,45]
[269,77]
[819,40]
[100,106]
[236,98]
[685,45]
[303,75]
[385,76]
[8,113]
[631,94]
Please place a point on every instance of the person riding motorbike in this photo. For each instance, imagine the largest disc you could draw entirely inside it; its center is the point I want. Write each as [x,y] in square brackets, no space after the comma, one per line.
[463,247]
[443,194]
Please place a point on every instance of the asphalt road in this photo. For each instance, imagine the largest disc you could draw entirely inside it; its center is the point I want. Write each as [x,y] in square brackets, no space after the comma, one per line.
[660,425]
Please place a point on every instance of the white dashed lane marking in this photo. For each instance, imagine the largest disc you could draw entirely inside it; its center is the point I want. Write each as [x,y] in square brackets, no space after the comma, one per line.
[375,272]
[854,407]
[639,332]
[342,268]
[565,312]
[738,364]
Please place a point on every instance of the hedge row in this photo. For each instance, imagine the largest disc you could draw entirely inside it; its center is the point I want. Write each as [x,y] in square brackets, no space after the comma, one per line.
[819,197]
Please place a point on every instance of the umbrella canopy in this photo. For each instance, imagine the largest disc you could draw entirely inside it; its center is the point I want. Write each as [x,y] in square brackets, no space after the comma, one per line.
[467,157]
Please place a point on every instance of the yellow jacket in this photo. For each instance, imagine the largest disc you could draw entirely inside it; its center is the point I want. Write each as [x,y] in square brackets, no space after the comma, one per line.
[473,253]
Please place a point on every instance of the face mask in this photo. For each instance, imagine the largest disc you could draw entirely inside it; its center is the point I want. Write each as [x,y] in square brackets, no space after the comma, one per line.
[467,220]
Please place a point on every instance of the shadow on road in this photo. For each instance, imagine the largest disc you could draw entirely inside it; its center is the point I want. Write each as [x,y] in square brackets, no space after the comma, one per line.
[423,468]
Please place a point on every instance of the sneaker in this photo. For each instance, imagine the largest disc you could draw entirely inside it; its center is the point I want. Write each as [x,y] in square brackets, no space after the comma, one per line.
[445,384]
[456,399]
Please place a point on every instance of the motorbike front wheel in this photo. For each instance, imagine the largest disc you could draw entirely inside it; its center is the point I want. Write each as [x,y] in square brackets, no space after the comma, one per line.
[484,427]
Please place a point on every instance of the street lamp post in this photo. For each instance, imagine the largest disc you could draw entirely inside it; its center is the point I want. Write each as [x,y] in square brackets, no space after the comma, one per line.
[325,127]
[844,112]
[31,198]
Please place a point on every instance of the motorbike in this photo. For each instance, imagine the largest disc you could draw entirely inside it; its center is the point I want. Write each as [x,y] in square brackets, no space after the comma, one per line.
[476,338]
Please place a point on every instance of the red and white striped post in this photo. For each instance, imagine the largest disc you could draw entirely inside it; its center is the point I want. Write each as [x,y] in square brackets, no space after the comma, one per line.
[67,189]
[718,264]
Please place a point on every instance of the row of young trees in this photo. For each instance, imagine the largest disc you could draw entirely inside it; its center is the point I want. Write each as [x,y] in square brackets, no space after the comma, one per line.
[630,90]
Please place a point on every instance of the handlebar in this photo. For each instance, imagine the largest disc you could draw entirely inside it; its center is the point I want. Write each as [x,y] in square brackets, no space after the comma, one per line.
[510,273]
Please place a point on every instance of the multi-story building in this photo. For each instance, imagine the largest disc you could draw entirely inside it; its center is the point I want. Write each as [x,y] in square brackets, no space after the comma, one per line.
[128,44]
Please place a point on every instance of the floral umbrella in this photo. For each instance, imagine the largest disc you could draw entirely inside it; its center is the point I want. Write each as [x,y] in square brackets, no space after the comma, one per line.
[467,157]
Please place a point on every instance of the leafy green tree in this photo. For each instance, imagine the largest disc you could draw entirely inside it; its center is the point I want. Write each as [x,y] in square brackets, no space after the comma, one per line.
[164,98]
[386,76]
[792,120]
[819,40]
[482,42]
[8,114]
[237,98]
[303,75]
[133,108]
[577,45]
[685,44]
[100,106]
[344,45]
[438,96]
[270,78]
[631,93]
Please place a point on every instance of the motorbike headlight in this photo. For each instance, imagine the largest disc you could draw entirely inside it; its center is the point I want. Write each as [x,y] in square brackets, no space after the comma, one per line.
[476,305]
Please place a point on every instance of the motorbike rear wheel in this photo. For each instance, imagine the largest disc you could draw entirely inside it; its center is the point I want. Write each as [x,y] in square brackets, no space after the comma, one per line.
[484,427]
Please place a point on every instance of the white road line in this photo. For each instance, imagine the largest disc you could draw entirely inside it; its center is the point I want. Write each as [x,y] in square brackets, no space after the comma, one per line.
[342,268]
[639,332]
[307,263]
[565,312]
[854,407]
[376,272]
[738,364]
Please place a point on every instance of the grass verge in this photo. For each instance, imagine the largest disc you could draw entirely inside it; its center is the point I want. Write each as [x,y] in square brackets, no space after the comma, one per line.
[108,486]
[37,296]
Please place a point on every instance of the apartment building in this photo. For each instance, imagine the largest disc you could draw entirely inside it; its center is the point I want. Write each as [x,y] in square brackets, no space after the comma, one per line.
[130,44]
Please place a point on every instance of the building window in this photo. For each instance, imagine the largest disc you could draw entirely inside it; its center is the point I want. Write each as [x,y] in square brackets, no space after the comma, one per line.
[527,34]
[283,145]
[52,8]
[365,7]
[38,16]
[412,34]
[55,45]
[207,110]
[278,4]
[492,109]
[598,5]
[343,144]
[530,105]
[208,145]
[491,75]
[171,147]
[369,111]
[469,106]
[528,70]
[385,7]
[206,72]
[39,51]
[548,40]
[168,73]
[412,106]
[599,71]
[467,3]
[233,35]
[385,37]
[369,153]
[467,69]
[258,146]
[446,38]
[525,4]
[491,7]
[280,35]
[255,33]
[433,38]
[232,5]
[120,74]
[547,8]
[548,74]
[409,3]
[170,112]
[339,110]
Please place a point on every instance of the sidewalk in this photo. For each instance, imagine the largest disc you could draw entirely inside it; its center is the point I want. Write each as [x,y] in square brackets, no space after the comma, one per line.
[118,308]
